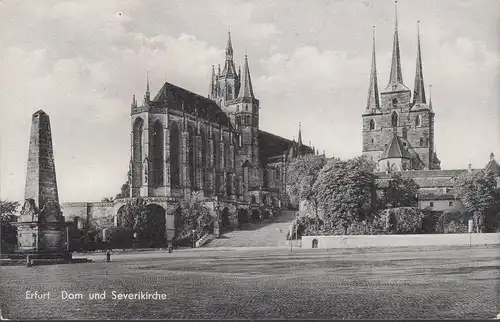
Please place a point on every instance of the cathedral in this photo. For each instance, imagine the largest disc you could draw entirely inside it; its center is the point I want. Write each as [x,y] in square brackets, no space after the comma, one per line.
[398,131]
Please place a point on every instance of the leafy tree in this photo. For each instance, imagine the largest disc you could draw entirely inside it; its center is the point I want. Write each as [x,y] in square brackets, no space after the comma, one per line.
[302,173]
[480,196]
[400,192]
[8,211]
[125,191]
[193,214]
[107,199]
[345,190]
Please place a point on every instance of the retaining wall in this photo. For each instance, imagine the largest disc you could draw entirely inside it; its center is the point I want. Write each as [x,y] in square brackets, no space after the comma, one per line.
[367,241]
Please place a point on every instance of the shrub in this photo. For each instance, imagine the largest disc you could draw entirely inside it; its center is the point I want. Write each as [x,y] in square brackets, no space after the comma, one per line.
[432,222]
[403,220]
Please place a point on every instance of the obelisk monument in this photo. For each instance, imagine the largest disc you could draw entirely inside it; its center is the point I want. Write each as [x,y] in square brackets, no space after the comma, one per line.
[41,229]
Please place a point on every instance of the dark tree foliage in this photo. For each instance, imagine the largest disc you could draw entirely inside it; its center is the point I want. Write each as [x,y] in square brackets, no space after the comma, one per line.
[400,192]
[8,211]
[302,173]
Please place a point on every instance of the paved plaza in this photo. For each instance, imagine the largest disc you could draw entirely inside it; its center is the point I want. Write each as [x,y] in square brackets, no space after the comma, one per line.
[258,283]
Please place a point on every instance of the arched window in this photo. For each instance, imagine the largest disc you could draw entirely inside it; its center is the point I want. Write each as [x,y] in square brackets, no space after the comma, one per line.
[394,102]
[265,175]
[157,154]
[278,174]
[227,155]
[137,156]
[394,119]
[229,190]
[191,159]
[215,152]
[175,155]
[229,92]
[204,164]
[417,121]
[405,133]
[372,125]
[421,141]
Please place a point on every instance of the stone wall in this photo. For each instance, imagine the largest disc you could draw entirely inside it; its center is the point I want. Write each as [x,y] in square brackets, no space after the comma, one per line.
[373,241]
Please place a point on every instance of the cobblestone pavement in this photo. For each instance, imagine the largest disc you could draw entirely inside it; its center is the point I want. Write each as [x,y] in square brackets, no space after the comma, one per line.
[256,283]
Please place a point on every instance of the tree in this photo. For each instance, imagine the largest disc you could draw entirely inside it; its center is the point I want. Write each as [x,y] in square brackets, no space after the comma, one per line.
[193,214]
[125,191]
[302,173]
[8,232]
[345,190]
[480,196]
[400,192]
[107,199]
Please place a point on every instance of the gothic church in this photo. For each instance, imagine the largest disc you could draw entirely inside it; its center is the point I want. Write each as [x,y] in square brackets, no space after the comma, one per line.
[398,132]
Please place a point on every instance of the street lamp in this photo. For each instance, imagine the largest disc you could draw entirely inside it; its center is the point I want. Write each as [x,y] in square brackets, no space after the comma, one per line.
[194,245]
[135,239]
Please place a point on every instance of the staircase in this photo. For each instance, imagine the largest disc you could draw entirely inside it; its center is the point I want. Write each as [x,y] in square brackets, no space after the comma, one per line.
[268,233]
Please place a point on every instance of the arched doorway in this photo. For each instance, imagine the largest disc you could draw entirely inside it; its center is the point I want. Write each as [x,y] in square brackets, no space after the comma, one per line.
[153,226]
[315,243]
[225,222]
[242,217]
[255,215]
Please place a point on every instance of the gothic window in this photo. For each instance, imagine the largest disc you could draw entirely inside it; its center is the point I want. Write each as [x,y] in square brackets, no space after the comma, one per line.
[254,200]
[229,92]
[394,102]
[278,174]
[421,141]
[228,184]
[394,119]
[137,155]
[157,154]
[175,155]
[265,175]
[204,149]
[417,121]
[405,133]
[372,141]
[227,159]
[372,125]
[191,158]
[215,154]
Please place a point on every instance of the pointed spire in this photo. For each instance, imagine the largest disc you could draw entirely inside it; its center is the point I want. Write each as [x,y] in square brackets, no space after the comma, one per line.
[299,140]
[246,90]
[373,97]
[134,101]
[211,87]
[218,70]
[430,97]
[419,90]
[396,76]
[147,96]
[229,46]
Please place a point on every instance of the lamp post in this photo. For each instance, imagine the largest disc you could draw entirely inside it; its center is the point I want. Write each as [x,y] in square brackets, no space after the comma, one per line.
[194,245]
[134,240]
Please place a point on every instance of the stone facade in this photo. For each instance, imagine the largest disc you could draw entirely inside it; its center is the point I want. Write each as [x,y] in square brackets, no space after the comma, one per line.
[182,142]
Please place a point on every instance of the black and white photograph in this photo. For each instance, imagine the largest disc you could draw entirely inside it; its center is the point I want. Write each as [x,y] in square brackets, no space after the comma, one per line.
[250,159]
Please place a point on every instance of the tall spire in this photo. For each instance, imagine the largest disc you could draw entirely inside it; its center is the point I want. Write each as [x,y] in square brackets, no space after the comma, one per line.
[419,89]
[430,97]
[299,140]
[396,76]
[246,89]
[373,98]
[147,96]
[229,68]
[211,87]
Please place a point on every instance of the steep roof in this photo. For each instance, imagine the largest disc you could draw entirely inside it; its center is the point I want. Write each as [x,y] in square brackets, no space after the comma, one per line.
[246,90]
[373,101]
[419,89]
[395,149]
[493,166]
[179,98]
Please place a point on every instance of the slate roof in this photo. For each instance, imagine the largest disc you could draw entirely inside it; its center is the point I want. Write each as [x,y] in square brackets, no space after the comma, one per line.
[395,149]
[206,108]
[493,166]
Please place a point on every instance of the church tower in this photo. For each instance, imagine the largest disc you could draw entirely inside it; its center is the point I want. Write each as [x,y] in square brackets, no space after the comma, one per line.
[225,86]
[395,118]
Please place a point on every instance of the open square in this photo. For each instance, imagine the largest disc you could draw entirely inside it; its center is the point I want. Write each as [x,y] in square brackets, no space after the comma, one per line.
[260,283]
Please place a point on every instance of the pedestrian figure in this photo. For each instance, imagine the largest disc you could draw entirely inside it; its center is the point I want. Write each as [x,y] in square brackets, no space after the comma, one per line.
[28,261]
[170,247]
[108,255]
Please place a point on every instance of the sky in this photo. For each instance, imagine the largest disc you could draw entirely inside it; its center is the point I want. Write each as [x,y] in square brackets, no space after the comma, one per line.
[81,62]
